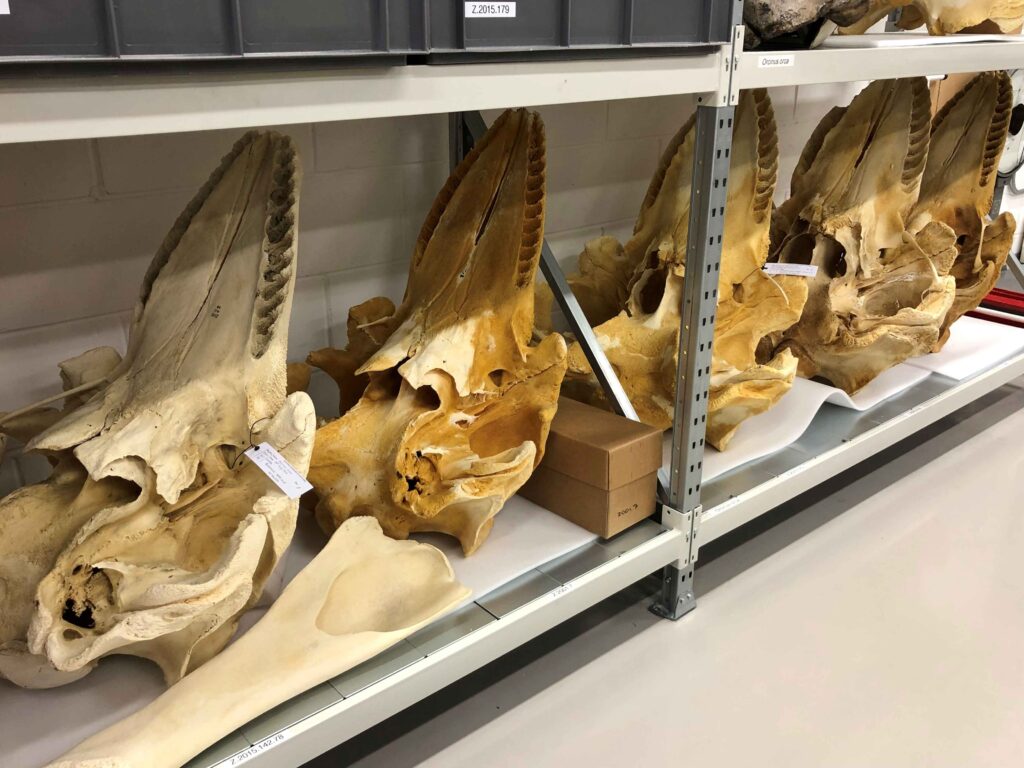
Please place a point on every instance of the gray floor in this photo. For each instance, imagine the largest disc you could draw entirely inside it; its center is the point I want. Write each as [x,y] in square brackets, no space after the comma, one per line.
[875,622]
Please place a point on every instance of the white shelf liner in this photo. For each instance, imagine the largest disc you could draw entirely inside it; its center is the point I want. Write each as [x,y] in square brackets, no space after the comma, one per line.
[38,726]
[974,345]
[781,426]
[910,40]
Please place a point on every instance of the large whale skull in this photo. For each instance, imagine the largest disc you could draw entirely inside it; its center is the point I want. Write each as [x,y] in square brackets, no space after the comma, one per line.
[967,139]
[157,533]
[644,279]
[458,405]
[881,292]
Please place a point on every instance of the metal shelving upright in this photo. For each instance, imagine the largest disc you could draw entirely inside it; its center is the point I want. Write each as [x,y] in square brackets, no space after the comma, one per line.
[61,106]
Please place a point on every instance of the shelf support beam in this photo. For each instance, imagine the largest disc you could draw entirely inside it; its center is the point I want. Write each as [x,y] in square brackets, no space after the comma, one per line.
[693,373]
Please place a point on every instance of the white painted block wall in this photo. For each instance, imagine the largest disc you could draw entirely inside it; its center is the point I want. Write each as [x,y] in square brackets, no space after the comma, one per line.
[81,219]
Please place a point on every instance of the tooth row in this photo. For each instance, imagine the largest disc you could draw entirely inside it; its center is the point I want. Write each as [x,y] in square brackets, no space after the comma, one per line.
[533,218]
[767,155]
[920,136]
[277,269]
[999,127]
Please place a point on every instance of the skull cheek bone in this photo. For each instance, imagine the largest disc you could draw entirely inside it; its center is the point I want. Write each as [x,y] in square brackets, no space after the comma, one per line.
[458,405]
[642,340]
[172,543]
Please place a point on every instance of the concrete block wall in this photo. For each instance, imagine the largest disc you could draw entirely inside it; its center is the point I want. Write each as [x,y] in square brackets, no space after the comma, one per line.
[82,218]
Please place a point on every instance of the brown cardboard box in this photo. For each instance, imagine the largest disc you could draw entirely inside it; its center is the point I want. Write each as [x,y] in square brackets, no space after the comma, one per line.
[599,470]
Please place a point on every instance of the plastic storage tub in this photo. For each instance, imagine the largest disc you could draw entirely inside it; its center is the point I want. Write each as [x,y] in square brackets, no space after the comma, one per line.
[173,29]
[457,26]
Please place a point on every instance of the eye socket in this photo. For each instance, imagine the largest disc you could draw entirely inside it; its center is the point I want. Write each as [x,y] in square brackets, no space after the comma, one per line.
[427,398]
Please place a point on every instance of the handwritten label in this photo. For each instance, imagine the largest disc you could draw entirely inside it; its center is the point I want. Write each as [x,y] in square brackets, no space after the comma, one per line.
[799,270]
[248,754]
[562,590]
[772,60]
[5,7]
[490,10]
[276,467]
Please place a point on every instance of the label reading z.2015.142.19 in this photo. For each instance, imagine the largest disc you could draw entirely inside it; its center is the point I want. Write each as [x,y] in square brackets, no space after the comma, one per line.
[490,10]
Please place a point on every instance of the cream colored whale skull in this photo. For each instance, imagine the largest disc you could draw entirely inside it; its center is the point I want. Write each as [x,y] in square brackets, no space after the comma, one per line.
[173,534]
[881,292]
[458,405]
[642,340]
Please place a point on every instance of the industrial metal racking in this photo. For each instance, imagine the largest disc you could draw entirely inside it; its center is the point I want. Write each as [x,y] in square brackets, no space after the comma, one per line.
[50,105]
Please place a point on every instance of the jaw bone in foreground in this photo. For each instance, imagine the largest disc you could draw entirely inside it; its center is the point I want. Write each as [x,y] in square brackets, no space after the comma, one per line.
[173,534]
[457,410]
[360,595]
[881,292]
[644,279]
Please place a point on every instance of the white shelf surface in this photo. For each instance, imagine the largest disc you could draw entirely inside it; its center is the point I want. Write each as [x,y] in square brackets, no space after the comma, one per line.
[40,107]
[837,439]
[869,61]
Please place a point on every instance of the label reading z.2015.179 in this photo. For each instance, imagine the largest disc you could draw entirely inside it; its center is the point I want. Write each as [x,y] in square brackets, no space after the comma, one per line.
[490,10]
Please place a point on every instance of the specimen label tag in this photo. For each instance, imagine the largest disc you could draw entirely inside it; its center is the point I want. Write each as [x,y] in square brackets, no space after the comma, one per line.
[5,7]
[489,10]
[772,60]
[248,754]
[276,467]
[800,270]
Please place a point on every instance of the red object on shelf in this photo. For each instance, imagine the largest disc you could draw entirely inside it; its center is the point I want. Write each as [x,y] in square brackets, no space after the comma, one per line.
[1002,306]
[1005,301]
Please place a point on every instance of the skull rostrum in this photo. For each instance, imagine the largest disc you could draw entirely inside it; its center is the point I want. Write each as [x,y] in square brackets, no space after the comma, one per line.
[890,209]
[153,534]
[632,293]
[456,411]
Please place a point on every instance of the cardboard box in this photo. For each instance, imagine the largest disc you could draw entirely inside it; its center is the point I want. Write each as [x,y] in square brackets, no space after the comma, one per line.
[599,470]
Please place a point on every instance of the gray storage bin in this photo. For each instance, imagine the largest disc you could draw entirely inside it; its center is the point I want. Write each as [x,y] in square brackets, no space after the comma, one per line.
[572,24]
[125,29]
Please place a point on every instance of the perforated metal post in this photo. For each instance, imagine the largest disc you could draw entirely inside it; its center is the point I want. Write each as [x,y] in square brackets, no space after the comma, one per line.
[700,298]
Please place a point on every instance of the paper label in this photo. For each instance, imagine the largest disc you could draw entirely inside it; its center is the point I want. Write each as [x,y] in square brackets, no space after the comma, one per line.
[490,10]
[562,590]
[772,60]
[799,270]
[276,467]
[5,7]
[248,754]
